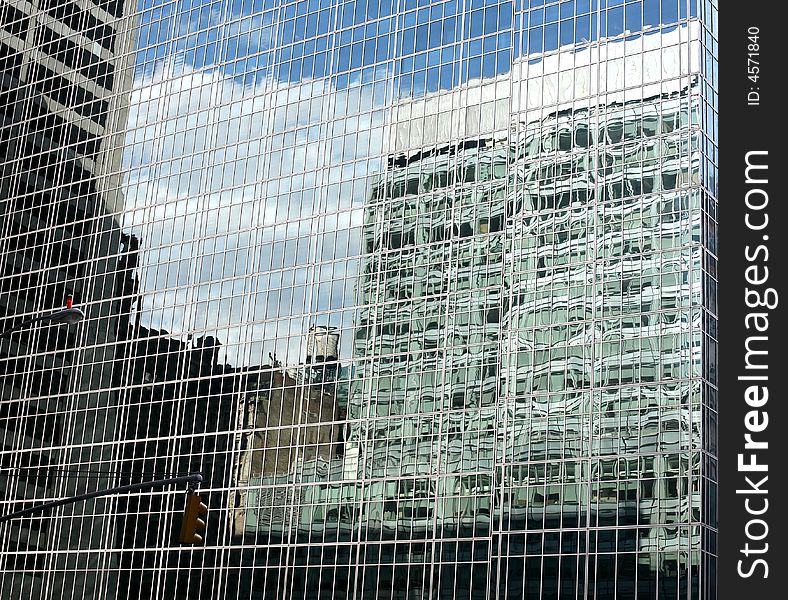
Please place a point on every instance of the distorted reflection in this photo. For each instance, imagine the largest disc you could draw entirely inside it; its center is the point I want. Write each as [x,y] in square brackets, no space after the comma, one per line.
[447,305]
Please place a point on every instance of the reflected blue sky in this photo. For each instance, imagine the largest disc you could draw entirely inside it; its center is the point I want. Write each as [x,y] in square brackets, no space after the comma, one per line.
[431,45]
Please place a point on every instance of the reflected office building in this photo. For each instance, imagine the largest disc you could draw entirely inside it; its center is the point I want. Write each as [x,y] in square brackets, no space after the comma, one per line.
[64,83]
[533,370]
[424,290]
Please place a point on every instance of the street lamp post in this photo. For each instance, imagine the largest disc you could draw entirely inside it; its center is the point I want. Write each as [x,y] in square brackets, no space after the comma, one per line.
[68,315]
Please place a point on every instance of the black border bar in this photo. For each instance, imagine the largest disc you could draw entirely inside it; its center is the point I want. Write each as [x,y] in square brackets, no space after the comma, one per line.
[753,249]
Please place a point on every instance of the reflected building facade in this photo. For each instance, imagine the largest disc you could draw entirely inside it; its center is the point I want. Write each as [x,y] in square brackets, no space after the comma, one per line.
[535,308]
[64,83]
[426,292]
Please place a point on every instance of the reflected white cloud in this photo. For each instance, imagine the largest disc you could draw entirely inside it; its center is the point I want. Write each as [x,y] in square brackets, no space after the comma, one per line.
[225,181]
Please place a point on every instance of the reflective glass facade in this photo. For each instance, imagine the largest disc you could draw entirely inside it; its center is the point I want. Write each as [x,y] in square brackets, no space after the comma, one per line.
[424,290]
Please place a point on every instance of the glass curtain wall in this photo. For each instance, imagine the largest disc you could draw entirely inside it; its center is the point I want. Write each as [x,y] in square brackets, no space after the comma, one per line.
[425,290]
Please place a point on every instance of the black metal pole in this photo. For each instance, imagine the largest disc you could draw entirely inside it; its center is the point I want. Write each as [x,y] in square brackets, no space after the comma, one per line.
[145,485]
[23,324]
[64,315]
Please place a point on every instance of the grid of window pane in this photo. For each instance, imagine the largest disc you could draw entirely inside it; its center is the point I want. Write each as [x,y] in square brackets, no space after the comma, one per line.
[424,290]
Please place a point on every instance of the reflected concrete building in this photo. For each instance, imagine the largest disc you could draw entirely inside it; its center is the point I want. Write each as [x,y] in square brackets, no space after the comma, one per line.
[289,429]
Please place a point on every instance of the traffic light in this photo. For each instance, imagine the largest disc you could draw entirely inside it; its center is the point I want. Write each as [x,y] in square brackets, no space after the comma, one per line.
[193,520]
